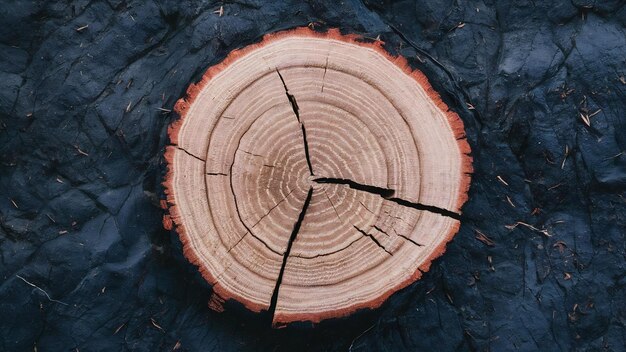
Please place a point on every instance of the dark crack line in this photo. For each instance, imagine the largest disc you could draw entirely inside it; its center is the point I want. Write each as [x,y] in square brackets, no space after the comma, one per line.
[292,239]
[306,149]
[380,230]
[396,217]
[237,243]
[429,208]
[232,189]
[329,253]
[272,208]
[191,155]
[387,193]
[372,238]
[456,84]
[407,238]
[258,221]
[292,99]
[249,153]
[383,192]
[366,208]
[332,205]
[324,76]
[296,111]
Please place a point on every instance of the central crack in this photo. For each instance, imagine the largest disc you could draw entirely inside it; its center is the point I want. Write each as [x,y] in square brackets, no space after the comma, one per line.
[383,192]
[296,111]
[387,194]
[292,239]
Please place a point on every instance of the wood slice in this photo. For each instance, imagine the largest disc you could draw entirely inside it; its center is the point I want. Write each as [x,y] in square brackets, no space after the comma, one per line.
[313,174]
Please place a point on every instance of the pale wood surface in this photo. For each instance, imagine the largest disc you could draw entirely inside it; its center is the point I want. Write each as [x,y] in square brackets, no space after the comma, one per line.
[238,175]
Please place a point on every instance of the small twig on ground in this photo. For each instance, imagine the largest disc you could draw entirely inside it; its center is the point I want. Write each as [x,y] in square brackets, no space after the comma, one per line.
[40,289]
[154,323]
[565,157]
[81,151]
[119,328]
[544,232]
[555,186]
[458,26]
[508,199]
[484,238]
[584,112]
[614,156]
[358,337]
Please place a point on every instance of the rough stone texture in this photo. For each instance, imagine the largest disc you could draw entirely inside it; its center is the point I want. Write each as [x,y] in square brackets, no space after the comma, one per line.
[81,142]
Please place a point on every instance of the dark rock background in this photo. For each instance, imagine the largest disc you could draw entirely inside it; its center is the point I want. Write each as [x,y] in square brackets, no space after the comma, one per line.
[81,143]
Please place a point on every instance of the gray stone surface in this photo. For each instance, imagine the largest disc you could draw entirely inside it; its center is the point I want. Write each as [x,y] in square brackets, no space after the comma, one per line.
[81,143]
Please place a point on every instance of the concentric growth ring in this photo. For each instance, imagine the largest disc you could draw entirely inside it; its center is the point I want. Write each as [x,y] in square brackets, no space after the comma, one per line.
[313,174]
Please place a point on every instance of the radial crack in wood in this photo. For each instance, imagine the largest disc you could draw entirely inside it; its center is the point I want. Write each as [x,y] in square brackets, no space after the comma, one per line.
[391,162]
[373,239]
[292,238]
[387,193]
[296,111]
[306,150]
[425,207]
[383,192]
[292,99]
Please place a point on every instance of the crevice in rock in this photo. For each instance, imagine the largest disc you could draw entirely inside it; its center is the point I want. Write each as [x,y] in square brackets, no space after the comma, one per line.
[296,111]
[387,194]
[452,77]
[372,238]
[292,239]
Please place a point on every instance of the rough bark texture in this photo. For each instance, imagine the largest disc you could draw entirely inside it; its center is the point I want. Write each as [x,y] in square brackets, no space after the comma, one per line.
[539,260]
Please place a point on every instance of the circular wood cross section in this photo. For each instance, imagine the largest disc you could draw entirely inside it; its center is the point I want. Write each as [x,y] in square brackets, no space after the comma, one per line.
[313,174]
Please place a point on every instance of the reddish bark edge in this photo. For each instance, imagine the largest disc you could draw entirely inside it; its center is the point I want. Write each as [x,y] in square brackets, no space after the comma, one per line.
[188,252]
[173,220]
